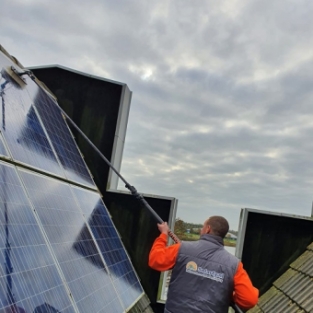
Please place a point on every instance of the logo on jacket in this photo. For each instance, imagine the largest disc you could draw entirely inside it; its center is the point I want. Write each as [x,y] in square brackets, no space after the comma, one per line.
[192,268]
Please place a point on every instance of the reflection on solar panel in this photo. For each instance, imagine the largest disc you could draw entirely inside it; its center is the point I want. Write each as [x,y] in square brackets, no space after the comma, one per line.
[123,276]
[63,142]
[22,130]
[29,275]
[59,250]
[2,147]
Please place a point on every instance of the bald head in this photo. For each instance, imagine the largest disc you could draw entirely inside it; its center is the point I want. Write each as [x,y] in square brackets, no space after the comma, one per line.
[216,225]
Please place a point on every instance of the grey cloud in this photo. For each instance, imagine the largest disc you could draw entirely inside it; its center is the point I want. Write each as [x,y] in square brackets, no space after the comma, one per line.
[230,86]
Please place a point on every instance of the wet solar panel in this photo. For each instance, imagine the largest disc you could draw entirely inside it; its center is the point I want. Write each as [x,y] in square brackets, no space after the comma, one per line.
[123,275]
[59,249]
[29,276]
[20,126]
[76,253]
[62,140]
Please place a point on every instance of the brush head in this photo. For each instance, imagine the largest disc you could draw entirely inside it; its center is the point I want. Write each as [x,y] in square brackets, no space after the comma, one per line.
[14,75]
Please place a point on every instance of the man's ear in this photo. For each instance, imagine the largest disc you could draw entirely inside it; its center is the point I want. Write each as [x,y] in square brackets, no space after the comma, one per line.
[208,229]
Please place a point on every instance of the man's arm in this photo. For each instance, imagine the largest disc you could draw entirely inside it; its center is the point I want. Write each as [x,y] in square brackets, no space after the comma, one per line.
[245,294]
[161,257]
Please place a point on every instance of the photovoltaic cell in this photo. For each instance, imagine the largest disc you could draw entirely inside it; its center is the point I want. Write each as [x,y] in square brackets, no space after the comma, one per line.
[28,274]
[90,284]
[124,279]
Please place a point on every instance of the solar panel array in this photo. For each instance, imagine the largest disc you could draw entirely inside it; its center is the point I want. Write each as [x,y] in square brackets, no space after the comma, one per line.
[59,250]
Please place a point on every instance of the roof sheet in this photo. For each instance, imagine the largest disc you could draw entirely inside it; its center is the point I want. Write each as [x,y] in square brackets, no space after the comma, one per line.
[293,291]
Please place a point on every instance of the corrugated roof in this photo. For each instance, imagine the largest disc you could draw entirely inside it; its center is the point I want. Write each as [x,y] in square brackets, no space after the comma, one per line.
[293,291]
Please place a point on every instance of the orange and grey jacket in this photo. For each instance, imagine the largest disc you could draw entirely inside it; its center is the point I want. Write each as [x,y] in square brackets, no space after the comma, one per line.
[205,277]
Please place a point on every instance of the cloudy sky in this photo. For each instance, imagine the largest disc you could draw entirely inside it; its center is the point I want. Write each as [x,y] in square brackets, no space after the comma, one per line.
[221,114]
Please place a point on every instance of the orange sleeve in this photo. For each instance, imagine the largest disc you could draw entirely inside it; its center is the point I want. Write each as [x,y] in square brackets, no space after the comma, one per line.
[163,257]
[245,294]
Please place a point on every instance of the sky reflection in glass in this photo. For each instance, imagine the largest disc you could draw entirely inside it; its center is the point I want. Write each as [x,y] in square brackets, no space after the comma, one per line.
[59,250]
[22,129]
[28,277]
[113,252]
[72,244]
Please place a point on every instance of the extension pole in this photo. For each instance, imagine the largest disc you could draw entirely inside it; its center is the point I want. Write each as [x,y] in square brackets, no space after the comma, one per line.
[132,189]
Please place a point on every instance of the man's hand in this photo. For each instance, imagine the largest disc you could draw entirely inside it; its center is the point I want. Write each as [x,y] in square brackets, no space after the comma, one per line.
[163,228]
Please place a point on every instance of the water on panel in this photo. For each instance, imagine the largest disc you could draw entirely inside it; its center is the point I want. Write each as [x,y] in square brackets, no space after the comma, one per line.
[49,259]
[20,125]
[60,136]
[75,249]
[124,278]
[29,278]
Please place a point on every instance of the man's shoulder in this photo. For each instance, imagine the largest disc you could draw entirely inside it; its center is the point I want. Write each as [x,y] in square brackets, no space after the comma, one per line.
[228,259]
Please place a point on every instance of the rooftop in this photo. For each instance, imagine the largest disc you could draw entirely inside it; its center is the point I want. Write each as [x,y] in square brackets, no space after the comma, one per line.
[293,291]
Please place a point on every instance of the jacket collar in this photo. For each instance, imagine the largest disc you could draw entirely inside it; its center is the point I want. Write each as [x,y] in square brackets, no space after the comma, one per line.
[212,238]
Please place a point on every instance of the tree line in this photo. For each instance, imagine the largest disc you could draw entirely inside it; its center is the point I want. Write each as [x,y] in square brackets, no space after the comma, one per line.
[181,228]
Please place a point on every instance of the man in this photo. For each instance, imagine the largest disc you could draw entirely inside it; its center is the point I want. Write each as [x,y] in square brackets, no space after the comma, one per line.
[205,277]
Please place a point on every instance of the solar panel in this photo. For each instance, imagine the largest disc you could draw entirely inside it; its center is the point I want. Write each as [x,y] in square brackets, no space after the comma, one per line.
[59,250]
[28,273]
[62,220]
[124,279]
[61,138]
[29,141]
[21,128]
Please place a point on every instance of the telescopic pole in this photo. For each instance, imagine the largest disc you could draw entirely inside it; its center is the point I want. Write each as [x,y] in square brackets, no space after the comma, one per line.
[132,189]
